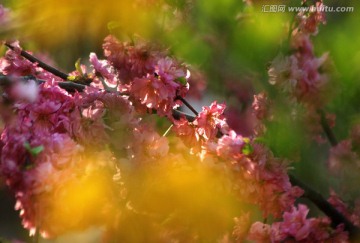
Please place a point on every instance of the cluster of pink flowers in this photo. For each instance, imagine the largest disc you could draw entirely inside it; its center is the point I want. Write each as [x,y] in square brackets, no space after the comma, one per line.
[300,74]
[295,227]
[206,126]
[261,106]
[47,142]
[153,79]
[258,176]
[351,213]
[13,64]
[344,163]
[37,152]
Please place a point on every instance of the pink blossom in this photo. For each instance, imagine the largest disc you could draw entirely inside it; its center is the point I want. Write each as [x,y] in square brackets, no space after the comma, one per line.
[260,106]
[153,78]
[265,177]
[355,217]
[259,232]
[131,61]
[121,122]
[299,74]
[168,70]
[119,109]
[39,150]
[312,81]
[159,148]
[284,71]
[39,179]
[211,120]
[302,43]
[155,145]
[342,156]
[335,200]
[340,235]
[60,150]
[155,94]
[13,64]
[343,208]
[230,145]
[36,174]
[143,145]
[295,222]
[241,228]
[187,132]
[105,70]
[277,232]
[86,123]
[296,227]
[311,22]
[26,91]
[270,178]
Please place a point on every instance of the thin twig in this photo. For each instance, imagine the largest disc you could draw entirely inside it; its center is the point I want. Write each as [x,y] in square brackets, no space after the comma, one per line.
[167,130]
[187,104]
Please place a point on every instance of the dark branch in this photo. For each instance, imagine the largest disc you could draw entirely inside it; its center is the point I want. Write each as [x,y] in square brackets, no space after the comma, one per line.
[335,216]
[327,130]
[68,86]
[41,64]
[178,114]
[187,104]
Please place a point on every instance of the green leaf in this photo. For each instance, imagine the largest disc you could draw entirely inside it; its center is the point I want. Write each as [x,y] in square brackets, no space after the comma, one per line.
[35,150]
[181,80]
[78,66]
[27,146]
[247,149]
[71,78]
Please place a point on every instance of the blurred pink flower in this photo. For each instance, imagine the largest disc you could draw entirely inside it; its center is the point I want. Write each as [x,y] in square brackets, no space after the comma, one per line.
[296,224]
[25,91]
[211,120]
[261,105]
[259,232]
